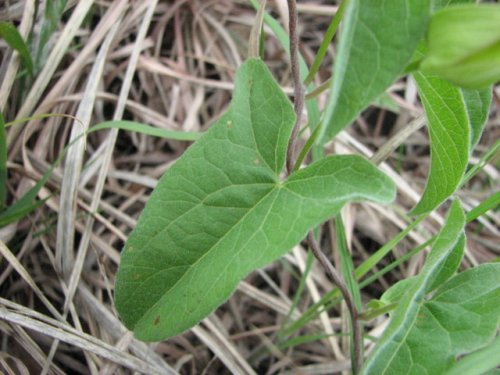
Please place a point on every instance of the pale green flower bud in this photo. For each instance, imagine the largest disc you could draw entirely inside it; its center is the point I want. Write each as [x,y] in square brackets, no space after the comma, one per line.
[464,45]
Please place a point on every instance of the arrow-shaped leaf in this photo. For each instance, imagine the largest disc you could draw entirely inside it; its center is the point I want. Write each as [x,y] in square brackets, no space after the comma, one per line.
[222,211]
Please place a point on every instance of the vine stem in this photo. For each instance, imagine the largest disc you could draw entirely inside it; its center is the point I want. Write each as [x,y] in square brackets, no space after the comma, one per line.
[290,161]
[297,83]
[357,361]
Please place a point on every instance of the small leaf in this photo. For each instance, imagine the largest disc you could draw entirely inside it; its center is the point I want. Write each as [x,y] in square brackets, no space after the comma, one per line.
[449,131]
[464,45]
[10,34]
[445,327]
[396,292]
[378,40]
[222,211]
[393,352]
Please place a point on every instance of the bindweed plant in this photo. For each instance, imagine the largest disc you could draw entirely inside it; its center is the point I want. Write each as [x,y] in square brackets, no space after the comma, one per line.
[239,198]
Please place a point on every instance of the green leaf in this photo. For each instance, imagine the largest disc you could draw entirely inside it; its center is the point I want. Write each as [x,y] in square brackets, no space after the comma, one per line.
[477,104]
[393,352]
[396,292]
[10,34]
[464,45]
[462,317]
[449,133]
[222,211]
[479,362]
[378,40]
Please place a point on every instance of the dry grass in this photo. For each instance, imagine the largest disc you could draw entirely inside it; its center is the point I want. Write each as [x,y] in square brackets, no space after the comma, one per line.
[171,64]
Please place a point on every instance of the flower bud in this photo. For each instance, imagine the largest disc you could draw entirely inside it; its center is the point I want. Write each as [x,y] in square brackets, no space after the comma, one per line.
[464,45]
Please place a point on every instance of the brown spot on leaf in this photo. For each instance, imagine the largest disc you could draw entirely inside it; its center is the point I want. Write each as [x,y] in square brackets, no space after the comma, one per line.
[157,320]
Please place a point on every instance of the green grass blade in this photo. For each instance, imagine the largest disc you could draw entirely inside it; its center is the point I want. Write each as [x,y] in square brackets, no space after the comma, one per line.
[347,269]
[346,261]
[39,117]
[370,263]
[307,147]
[396,263]
[323,48]
[10,34]
[326,302]
[28,203]
[491,154]
[133,126]
[303,340]
[301,287]
[54,10]
[138,127]
[490,203]
[281,335]
[22,207]
[3,164]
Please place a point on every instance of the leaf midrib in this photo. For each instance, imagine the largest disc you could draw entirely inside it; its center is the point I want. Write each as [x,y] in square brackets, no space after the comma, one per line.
[205,254]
